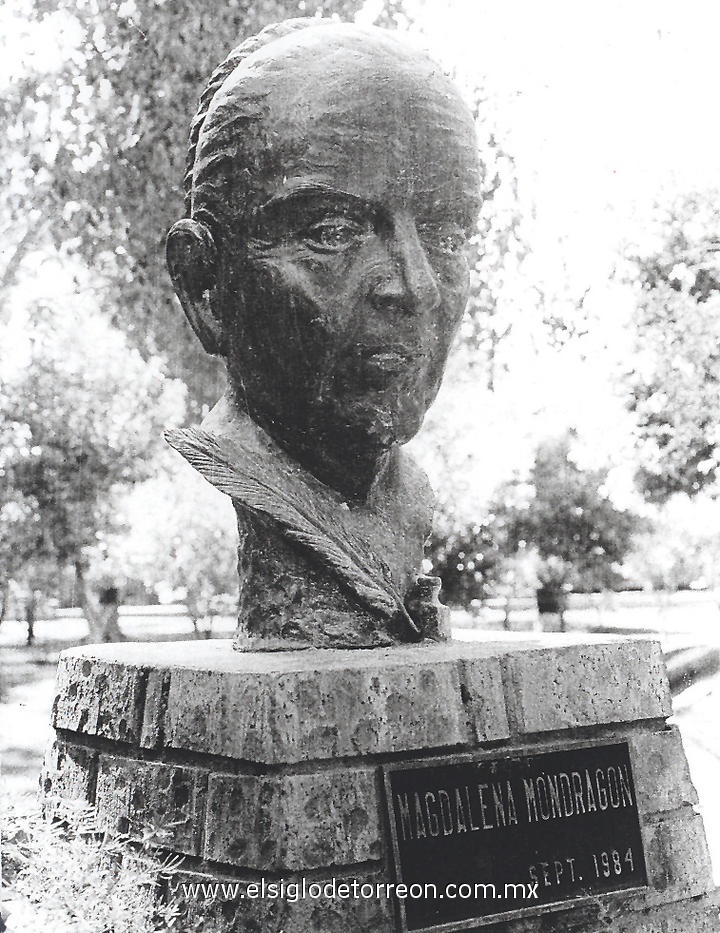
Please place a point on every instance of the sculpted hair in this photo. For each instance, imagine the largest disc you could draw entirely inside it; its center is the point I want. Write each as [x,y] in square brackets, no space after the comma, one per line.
[202,197]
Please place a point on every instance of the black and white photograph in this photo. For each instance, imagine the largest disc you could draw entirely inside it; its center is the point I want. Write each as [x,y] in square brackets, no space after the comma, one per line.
[359,466]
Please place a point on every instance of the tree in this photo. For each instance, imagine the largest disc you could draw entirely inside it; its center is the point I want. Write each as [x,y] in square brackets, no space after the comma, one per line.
[681,548]
[93,146]
[180,538]
[675,382]
[26,557]
[566,515]
[467,560]
[79,418]
[473,435]
[496,251]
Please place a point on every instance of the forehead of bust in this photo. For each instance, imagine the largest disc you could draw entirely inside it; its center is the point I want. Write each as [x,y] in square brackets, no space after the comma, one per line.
[338,105]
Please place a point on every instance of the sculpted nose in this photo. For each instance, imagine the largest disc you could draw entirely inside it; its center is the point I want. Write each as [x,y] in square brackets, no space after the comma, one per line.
[410,282]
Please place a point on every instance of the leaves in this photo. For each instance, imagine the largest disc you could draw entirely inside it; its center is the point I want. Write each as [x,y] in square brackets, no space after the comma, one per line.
[674,387]
[565,514]
[179,540]
[79,418]
[94,145]
[496,252]
[67,876]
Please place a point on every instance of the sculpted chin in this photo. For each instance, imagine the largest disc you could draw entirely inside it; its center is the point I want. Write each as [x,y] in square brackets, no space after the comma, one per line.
[332,182]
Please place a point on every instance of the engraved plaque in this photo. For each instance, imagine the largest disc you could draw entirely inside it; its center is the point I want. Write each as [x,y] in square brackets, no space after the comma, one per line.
[500,835]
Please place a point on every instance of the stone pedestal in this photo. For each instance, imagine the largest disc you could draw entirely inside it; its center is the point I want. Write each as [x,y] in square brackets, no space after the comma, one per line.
[270,766]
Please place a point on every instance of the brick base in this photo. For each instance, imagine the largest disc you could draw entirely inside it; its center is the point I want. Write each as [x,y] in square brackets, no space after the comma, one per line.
[269,765]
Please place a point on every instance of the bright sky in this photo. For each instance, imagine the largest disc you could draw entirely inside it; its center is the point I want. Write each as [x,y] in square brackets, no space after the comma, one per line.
[604,103]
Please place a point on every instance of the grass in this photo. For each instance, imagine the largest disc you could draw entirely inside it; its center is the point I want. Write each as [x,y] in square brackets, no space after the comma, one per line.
[62,874]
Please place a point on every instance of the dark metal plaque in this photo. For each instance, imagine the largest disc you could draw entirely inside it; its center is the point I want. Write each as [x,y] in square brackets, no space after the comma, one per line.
[552,827]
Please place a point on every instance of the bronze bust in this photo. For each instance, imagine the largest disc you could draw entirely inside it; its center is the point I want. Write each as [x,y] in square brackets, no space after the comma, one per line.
[332,182]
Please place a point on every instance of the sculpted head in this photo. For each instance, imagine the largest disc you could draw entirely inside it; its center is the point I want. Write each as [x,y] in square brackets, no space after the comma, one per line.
[332,181]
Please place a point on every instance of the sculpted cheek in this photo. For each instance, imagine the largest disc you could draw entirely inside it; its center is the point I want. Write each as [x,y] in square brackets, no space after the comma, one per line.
[452,270]
[304,320]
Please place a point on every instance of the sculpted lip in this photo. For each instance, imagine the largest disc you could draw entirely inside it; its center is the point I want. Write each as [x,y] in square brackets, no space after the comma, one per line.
[386,359]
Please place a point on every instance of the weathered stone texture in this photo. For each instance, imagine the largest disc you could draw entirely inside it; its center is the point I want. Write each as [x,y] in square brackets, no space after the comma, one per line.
[68,774]
[291,822]
[300,715]
[98,697]
[279,709]
[677,858]
[271,764]
[153,720]
[308,915]
[695,916]
[163,800]
[482,680]
[700,915]
[582,918]
[586,685]
[660,770]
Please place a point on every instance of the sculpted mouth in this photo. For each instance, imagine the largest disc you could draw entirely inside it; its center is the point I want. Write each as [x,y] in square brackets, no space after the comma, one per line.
[387,360]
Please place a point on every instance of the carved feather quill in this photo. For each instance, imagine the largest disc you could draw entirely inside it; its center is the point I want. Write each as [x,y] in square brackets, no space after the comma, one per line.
[311,517]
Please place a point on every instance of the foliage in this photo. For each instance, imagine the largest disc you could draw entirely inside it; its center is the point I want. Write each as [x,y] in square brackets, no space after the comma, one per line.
[512,297]
[449,445]
[21,532]
[565,514]
[472,435]
[675,382]
[78,419]
[467,560]
[94,146]
[469,444]
[681,549]
[496,251]
[69,877]
[557,529]
[179,540]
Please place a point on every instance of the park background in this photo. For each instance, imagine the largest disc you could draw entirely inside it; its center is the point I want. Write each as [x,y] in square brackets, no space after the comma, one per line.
[575,444]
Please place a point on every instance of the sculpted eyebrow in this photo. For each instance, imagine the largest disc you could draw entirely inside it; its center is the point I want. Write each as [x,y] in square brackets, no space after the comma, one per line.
[293,205]
[311,191]
[292,210]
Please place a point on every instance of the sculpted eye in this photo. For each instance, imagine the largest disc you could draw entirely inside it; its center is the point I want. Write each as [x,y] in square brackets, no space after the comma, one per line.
[334,234]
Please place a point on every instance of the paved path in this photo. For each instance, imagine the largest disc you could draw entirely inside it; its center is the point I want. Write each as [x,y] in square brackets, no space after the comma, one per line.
[697,713]
[24,731]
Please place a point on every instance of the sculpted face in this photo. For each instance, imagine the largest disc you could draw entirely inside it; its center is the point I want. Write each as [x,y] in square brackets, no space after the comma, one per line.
[341,275]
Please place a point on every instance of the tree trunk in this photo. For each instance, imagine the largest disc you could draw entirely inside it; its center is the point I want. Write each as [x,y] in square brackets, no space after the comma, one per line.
[4,599]
[101,616]
[195,613]
[551,603]
[30,607]
[506,617]
[9,275]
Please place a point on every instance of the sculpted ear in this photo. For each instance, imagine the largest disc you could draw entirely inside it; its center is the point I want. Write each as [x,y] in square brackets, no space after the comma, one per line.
[192,262]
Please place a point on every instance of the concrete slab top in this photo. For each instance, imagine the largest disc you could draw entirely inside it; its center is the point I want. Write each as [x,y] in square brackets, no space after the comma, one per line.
[218,654]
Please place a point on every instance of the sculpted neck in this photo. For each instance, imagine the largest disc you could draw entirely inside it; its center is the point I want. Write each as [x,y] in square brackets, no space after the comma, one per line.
[350,470]
[346,464]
